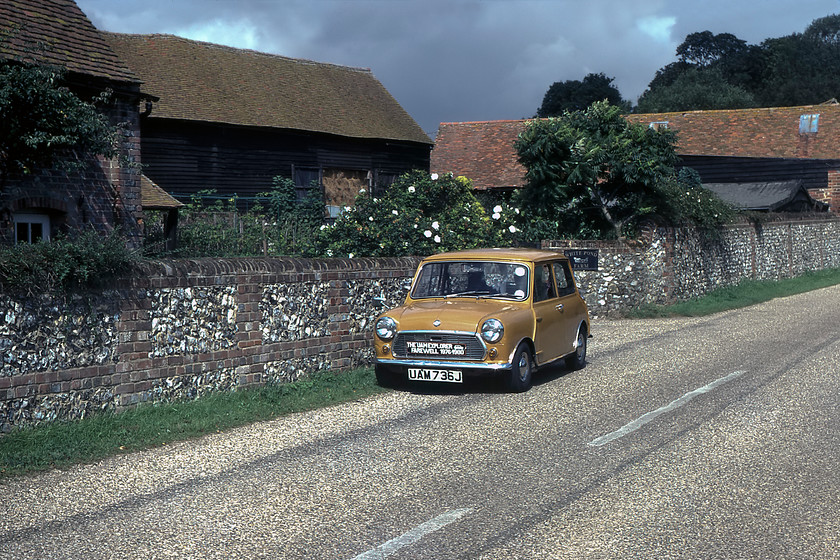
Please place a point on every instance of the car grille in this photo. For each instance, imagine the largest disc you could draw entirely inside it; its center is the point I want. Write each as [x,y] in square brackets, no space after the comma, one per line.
[439,346]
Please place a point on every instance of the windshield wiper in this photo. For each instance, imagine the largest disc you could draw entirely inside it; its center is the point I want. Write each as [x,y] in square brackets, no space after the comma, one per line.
[469,293]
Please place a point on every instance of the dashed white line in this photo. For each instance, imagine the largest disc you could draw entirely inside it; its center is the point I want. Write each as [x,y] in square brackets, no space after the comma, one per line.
[650,416]
[411,537]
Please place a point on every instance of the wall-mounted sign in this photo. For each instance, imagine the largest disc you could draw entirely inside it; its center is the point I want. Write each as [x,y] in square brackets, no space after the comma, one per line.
[583,259]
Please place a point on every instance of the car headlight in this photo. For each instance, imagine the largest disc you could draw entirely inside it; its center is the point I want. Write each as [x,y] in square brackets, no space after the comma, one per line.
[386,328]
[492,330]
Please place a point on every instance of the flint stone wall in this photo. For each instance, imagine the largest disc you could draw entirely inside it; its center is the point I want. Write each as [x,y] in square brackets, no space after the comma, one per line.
[180,329]
[673,265]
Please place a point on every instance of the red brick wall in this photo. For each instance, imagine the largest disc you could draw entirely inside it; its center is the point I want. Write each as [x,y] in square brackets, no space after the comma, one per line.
[831,194]
[103,194]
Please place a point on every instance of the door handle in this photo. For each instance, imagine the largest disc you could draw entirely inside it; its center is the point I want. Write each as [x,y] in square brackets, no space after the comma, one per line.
[559,307]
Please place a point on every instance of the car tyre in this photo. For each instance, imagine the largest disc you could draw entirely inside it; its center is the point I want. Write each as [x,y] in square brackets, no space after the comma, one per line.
[522,370]
[577,359]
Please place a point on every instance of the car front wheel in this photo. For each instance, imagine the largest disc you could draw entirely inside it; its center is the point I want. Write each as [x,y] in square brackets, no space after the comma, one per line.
[521,371]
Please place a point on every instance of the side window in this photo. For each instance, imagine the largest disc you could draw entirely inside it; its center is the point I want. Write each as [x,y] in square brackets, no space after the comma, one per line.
[543,283]
[31,228]
[565,281]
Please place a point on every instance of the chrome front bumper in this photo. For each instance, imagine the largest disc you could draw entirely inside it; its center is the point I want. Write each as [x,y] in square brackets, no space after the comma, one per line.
[401,362]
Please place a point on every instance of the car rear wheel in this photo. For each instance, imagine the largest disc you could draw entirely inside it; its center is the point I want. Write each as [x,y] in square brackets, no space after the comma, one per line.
[521,371]
[577,359]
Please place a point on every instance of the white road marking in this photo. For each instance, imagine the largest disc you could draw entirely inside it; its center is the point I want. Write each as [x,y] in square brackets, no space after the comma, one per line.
[411,537]
[650,416]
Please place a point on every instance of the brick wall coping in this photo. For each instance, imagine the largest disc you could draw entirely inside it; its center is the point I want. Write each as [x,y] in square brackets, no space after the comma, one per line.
[270,265]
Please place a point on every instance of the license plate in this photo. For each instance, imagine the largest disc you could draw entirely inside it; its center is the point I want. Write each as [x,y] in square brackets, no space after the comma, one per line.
[439,375]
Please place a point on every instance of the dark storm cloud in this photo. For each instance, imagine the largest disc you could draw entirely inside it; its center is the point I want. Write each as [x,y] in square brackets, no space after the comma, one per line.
[467,60]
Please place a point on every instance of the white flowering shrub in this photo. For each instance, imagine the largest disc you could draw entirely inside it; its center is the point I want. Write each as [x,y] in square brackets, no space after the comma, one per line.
[688,203]
[420,214]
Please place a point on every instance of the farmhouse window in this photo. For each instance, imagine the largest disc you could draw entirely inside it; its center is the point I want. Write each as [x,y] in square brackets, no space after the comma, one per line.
[808,124]
[658,125]
[31,228]
[383,180]
[306,179]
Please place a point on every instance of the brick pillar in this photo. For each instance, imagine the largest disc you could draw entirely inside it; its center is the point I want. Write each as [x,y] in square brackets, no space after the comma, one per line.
[831,194]
[123,171]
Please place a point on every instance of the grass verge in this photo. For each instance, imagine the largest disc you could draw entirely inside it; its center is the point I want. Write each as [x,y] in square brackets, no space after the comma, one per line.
[61,444]
[744,294]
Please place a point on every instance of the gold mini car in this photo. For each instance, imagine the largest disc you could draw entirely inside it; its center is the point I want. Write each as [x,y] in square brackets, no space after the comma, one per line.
[484,312]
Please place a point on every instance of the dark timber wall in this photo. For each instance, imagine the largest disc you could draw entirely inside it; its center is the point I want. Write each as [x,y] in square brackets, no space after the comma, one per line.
[186,157]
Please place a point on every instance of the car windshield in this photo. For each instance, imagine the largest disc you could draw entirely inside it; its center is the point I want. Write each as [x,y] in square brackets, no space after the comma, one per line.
[472,279]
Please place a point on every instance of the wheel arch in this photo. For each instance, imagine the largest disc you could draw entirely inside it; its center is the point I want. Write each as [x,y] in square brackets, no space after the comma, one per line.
[529,342]
[584,324]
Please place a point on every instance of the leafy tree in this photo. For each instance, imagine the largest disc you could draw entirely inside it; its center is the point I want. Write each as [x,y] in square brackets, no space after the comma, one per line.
[42,123]
[592,174]
[745,68]
[593,171]
[575,95]
[705,48]
[696,89]
[825,30]
[668,74]
[799,69]
[713,72]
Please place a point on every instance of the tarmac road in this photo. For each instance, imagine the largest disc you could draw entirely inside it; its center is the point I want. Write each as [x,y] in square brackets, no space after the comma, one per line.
[716,437]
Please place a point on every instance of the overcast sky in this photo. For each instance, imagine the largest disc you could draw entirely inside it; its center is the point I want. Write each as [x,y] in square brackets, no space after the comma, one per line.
[462,60]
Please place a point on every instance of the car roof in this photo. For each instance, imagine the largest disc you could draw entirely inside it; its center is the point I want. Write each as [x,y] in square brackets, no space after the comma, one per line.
[496,253]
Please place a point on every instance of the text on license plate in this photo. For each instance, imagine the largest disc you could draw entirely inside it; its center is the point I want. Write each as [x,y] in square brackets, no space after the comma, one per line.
[440,375]
[435,348]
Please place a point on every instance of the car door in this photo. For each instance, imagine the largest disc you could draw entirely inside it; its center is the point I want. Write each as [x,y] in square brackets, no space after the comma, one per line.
[549,326]
[570,305]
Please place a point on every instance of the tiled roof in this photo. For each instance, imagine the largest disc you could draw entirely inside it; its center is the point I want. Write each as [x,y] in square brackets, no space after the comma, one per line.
[212,83]
[756,196]
[152,197]
[70,39]
[764,132]
[484,151]
[481,151]
[772,196]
